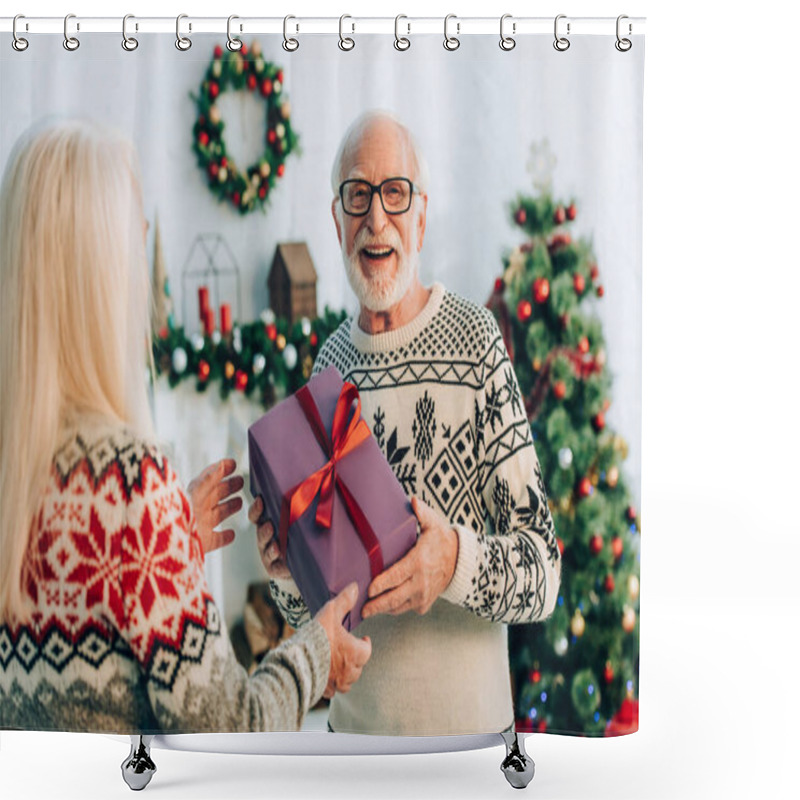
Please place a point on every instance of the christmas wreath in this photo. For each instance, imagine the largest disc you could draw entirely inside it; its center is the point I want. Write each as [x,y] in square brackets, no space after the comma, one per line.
[247,189]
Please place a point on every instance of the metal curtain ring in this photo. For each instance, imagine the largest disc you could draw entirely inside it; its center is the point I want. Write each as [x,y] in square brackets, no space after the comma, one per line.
[561,43]
[18,43]
[233,44]
[507,42]
[183,43]
[290,45]
[451,42]
[623,45]
[345,43]
[128,42]
[71,43]
[401,42]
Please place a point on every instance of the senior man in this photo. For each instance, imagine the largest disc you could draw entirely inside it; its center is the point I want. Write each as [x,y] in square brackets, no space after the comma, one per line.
[443,402]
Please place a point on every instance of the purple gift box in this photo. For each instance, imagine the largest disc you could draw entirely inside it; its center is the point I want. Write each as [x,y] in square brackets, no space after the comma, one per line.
[284,452]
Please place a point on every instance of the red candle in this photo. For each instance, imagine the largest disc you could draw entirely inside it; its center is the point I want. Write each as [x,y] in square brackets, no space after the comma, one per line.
[202,296]
[225,324]
[208,321]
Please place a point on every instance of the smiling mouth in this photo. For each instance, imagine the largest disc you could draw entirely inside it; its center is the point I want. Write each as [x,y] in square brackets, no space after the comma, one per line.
[377,253]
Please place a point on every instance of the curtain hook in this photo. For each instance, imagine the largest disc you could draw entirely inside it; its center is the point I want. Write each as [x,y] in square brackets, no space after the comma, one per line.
[71,43]
[401,42]
[128,42]
[18,43]
[623,45]
[290,45]
[346,43]
[507,42]
[451,42]
[561,43]
[183,43]
[233,44]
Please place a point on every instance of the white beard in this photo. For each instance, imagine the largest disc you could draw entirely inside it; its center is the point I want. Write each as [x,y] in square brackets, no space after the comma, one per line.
[379,292]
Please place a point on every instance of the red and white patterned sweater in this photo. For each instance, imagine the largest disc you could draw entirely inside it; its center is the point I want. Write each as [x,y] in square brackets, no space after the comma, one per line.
[125,636]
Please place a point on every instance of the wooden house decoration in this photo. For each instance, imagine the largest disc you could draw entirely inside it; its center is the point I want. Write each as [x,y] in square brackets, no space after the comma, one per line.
[292,282]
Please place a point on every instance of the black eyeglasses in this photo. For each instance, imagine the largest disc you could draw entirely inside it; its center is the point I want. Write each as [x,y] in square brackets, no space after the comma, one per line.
[395,194]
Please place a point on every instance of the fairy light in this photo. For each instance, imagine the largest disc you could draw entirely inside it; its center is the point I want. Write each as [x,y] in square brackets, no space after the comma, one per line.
[544,697]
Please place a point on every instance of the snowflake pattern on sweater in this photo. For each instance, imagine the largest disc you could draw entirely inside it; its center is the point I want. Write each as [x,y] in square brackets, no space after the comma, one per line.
[124,635]
[448,414]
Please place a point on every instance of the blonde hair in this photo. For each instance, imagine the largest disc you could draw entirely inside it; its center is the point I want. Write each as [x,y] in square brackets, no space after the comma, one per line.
[74,312]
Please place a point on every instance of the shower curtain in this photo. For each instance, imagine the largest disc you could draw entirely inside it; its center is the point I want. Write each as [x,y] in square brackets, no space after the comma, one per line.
[519,377]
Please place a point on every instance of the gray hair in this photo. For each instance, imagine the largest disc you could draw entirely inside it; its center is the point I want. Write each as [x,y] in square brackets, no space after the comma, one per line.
[353,137]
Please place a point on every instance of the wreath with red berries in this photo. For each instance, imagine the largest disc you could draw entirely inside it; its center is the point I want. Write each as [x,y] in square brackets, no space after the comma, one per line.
[246,69]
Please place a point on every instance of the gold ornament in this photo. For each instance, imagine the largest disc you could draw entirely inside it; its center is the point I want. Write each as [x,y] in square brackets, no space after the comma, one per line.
[577,624]
[286,109]
[280,130]
[308,366]
[280,342]
[620,446]
[238,63]
[536,364]
[255,48]
[216,68]
[259,65]
[564,505]
[222,175]
[229,370]
[214,115]
[628,619]
[612,476]
[265,169]
[633,587]
[600,358]
[594,478]
[516,267]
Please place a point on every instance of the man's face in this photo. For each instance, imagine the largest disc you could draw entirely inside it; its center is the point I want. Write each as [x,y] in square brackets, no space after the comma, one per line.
[380,250]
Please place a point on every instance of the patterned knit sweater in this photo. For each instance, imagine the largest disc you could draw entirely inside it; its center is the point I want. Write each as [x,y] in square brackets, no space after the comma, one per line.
[124,636]
[443,403]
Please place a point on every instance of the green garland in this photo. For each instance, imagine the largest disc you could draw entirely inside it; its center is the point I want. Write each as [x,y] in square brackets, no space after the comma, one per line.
[266,359]
[247,189]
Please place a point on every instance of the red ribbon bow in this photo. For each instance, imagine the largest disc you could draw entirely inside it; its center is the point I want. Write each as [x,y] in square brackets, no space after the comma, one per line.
[345,437]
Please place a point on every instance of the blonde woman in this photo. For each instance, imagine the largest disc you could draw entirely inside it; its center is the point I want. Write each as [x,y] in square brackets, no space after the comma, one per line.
[106,621]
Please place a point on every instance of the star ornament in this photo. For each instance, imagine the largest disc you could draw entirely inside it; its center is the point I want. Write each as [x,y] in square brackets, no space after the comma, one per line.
[540,165]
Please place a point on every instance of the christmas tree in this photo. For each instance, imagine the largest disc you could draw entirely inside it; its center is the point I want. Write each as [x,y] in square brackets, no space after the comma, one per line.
[577,672]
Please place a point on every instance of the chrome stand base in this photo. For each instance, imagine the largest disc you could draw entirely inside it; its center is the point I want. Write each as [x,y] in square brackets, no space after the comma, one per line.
[138,768]
[518,766]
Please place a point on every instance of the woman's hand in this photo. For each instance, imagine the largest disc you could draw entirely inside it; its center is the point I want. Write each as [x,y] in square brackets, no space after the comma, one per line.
[349,654]
[208,493]
[267,543]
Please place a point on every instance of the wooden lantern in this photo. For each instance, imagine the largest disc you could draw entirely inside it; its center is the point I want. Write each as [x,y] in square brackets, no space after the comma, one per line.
[292,282]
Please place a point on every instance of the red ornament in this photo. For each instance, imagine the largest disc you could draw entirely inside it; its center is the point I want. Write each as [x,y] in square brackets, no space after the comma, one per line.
[600,291]
[572,212]
[271,136]
[524,310]
[599,421]
[243,49]
[499,285]
[203,370]
[560,390]
[585,487]
[240,380]
[223,162]
[541,290]
[272,332]
[578,283]
[609,583]
[279,76]
[535,676]
[596,544]
[217,52]
[520,217]
[583,345]
[237,198]
[542,726]
[202,138]
[608,673]
[262,192]
[266,87]
[631,514]
[281,169]
[616,546]
[560,543]
[163,333]
[594,272]
[560,216]
[313,339]
[213,169]
[560,240]
[251,82]
[213,89]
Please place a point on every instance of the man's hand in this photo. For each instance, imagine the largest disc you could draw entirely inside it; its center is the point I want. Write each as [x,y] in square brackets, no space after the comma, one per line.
[267,543]
[207,493]
[414,582]
[348,653]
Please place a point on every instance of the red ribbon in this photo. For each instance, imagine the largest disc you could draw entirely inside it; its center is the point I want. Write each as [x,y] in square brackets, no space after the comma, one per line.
[345,437]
